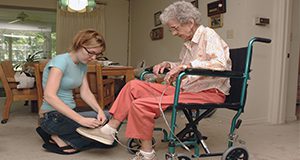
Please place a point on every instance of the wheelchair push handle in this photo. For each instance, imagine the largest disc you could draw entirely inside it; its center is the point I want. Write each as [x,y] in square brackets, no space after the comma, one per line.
[259,39]
[264,40]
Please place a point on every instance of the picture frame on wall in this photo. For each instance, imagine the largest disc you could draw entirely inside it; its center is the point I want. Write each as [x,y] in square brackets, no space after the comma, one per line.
[157,33]
[195,3]
[216,21]
[157,21]
[216,7]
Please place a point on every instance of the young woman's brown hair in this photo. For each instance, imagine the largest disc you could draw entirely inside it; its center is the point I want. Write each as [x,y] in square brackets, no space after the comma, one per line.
[88,38]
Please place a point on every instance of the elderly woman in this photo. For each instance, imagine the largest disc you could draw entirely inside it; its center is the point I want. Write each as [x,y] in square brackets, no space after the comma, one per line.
[138,100]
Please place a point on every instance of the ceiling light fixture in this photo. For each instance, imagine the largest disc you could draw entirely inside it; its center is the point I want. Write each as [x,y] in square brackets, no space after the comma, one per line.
[77,5]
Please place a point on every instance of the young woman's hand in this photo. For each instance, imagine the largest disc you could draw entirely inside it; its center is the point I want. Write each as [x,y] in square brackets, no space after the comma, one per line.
[173,73]
[101,117]
[90,122]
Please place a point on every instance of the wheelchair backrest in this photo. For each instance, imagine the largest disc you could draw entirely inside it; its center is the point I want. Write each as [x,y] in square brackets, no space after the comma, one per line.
[238,58]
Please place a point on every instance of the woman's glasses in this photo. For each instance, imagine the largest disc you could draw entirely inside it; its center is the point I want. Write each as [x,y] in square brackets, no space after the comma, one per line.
[91,54]
[174,28]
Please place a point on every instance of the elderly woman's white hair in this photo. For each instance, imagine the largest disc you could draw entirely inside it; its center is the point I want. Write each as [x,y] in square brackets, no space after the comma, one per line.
[181,11]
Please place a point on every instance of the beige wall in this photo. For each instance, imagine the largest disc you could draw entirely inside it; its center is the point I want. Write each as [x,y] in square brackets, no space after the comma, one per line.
[294,61]
[239,19]
[142,47]
[116,13]
[45,4]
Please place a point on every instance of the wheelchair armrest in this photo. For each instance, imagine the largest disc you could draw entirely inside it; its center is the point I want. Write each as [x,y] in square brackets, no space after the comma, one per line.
[149,70]
[214,73]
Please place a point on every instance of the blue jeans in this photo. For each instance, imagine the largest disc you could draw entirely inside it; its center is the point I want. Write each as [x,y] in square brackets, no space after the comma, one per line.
[55,123]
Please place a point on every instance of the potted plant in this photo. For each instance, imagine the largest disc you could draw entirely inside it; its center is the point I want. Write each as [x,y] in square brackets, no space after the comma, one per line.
[27,66]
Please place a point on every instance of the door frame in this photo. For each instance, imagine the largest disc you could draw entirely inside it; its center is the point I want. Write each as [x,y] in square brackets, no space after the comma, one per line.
[279,63]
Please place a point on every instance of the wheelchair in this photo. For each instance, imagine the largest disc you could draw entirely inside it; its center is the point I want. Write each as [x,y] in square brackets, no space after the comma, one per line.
[235,101]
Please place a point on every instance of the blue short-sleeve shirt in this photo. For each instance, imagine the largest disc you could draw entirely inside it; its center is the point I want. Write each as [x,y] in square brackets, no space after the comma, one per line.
[72,78]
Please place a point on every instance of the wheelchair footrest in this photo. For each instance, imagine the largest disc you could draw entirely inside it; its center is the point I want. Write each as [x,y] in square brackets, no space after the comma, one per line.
[209,155]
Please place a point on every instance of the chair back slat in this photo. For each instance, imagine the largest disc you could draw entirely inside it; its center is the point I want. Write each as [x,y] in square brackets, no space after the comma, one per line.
[93,80]
[38,71]
[238,58]
[7,76]
[8,70]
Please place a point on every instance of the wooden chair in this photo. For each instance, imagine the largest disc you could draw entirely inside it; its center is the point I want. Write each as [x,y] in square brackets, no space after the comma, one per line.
[10,86]
[103,89]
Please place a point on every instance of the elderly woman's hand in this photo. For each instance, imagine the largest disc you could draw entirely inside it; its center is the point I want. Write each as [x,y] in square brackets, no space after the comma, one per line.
[159,68]
[173,73]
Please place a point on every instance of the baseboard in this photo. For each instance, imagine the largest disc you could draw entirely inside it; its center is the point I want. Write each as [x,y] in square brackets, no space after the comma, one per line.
[291,118]
[252,121]
[228,115]
[245,120]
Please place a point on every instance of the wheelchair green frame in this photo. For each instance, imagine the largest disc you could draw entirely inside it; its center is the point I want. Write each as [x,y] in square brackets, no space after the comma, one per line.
[203,72]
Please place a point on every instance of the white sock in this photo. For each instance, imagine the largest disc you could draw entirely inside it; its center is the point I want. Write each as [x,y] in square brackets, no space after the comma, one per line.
[148,155]
[108,129]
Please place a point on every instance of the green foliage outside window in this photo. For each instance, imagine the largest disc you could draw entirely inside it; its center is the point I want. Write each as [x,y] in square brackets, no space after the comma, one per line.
[18,45]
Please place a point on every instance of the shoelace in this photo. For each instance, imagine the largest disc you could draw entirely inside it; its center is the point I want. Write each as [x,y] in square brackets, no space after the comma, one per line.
[138,156]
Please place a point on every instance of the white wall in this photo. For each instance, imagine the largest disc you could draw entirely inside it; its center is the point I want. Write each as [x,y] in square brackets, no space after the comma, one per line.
[294,61]
[142,47]
[239,18]
[116,13]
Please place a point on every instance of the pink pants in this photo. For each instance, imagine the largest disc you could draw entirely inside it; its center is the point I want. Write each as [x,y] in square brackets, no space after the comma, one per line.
[138,102]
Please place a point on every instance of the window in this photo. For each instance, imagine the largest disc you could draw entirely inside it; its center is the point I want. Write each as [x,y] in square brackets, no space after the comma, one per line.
[17,45]
[24,32]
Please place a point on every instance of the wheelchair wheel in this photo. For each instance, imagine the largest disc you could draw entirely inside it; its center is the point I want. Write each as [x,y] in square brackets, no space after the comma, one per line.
[235,153]
[183,157]
[133,145]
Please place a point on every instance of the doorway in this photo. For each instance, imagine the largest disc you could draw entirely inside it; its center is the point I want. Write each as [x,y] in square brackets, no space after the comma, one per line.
[298,91]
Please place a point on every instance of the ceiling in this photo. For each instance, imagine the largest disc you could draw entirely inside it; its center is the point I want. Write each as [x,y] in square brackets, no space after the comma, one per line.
[35,17]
